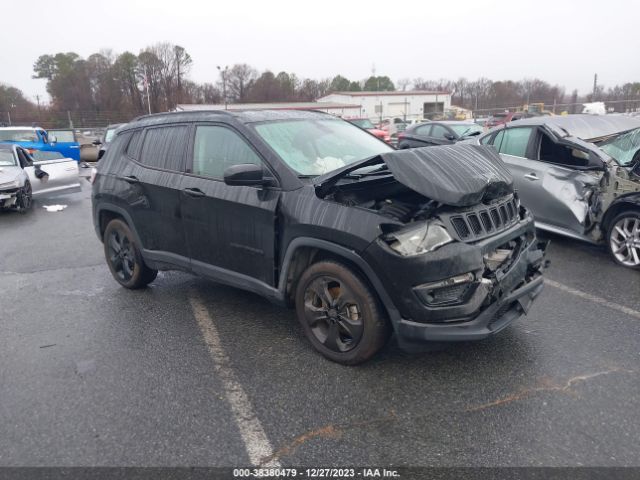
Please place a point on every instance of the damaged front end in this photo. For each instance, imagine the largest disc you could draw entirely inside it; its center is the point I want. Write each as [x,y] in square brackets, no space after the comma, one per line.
[457,252]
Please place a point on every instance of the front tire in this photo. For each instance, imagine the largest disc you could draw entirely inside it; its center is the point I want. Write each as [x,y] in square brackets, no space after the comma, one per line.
[25,198]
[124,258]
[623,239]
[340,314]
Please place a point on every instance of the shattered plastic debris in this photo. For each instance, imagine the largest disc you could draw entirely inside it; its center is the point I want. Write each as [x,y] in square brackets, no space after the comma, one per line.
[54,208]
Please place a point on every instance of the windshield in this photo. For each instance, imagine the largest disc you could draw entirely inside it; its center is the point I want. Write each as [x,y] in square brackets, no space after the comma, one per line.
[624,147]
[7,159]
[18,136]
[466,129]
[315,147]
[363,123]
[63,135]
[40,156]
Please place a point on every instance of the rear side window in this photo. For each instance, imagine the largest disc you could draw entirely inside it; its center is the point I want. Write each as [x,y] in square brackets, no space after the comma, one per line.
[513,141]
[164,147]
[217,148]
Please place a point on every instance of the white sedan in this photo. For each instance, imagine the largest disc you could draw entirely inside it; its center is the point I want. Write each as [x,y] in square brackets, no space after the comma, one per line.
[22,176]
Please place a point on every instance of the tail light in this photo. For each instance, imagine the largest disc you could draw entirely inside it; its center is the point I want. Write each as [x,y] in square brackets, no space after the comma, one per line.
[92,176]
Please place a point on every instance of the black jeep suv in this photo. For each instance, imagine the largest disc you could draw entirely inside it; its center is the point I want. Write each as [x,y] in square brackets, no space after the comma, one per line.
[313,212]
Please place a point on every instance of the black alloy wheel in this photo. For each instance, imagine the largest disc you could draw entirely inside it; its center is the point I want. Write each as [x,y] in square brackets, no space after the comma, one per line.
[124,258]
[340,314]
[25,199]
[333,314]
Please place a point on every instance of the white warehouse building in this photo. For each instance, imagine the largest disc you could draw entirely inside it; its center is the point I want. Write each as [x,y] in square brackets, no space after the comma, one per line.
[406,105]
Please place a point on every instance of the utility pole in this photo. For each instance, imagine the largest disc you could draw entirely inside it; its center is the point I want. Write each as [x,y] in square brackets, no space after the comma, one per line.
[223,73]
[146,84]
[595,86]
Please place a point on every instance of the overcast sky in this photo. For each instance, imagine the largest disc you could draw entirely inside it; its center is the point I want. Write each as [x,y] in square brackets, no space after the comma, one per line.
[560,41]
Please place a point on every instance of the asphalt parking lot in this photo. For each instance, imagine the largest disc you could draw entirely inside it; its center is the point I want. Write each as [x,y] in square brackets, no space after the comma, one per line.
[188,372]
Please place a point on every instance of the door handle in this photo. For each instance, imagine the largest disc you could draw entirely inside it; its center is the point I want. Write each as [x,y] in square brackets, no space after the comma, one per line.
[194,192]
[130,179]
[531,176]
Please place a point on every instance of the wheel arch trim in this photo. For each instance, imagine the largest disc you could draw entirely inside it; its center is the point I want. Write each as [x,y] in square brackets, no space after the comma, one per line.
[347,254]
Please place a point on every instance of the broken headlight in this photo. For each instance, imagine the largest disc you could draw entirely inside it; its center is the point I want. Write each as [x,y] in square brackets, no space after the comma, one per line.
[415,240]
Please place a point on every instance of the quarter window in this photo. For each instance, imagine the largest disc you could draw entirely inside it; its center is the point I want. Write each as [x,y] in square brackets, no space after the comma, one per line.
[217,148]
[513,141]
[164,147]
[133,148]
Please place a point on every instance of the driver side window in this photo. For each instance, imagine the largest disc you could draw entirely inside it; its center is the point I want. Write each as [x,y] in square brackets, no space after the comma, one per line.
[216,148]
[552,152]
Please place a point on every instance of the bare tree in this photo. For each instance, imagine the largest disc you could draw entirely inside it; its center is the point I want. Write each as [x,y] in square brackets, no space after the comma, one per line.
[239,78]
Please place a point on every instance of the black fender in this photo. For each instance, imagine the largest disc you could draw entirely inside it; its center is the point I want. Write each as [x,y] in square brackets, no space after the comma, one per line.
[346,253]
[110,207]
[628,201]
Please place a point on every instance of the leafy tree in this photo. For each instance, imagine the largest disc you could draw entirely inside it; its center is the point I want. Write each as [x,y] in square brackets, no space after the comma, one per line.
[378,84]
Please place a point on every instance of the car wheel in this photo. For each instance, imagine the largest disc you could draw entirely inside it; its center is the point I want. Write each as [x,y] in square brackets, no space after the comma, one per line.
[340,315]
[623,239]
[124,257]
[25,199]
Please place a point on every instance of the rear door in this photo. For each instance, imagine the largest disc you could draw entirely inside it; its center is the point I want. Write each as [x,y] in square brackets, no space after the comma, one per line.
[513,144]
[150,184]
[228,228]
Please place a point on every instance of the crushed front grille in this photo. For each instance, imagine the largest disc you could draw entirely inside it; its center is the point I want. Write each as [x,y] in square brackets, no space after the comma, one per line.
[483,220]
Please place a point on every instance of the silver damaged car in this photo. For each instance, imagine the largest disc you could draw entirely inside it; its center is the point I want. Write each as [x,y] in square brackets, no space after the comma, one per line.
[579,175]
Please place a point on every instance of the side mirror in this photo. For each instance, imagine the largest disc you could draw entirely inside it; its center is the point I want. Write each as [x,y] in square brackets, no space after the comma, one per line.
[53,139]
[96,142]
[450,136]
[246,174]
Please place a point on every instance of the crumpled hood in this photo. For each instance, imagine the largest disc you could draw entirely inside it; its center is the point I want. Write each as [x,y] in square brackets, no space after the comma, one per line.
[8,174]
[458,175]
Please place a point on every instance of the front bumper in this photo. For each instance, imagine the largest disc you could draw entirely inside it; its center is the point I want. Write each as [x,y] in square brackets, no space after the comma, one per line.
[496,299]
[8,198]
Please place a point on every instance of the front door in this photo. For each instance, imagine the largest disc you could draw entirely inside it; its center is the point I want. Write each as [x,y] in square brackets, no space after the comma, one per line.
[228,228]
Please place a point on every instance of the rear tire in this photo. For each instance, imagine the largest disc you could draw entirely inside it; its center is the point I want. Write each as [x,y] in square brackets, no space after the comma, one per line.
[124,258]
[340,314]
[623,239]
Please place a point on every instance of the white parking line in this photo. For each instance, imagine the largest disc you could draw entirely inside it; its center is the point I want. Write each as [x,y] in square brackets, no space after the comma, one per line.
[255,440]
[587,296]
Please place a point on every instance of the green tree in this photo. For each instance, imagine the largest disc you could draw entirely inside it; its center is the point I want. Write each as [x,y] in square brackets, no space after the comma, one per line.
[379,84]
